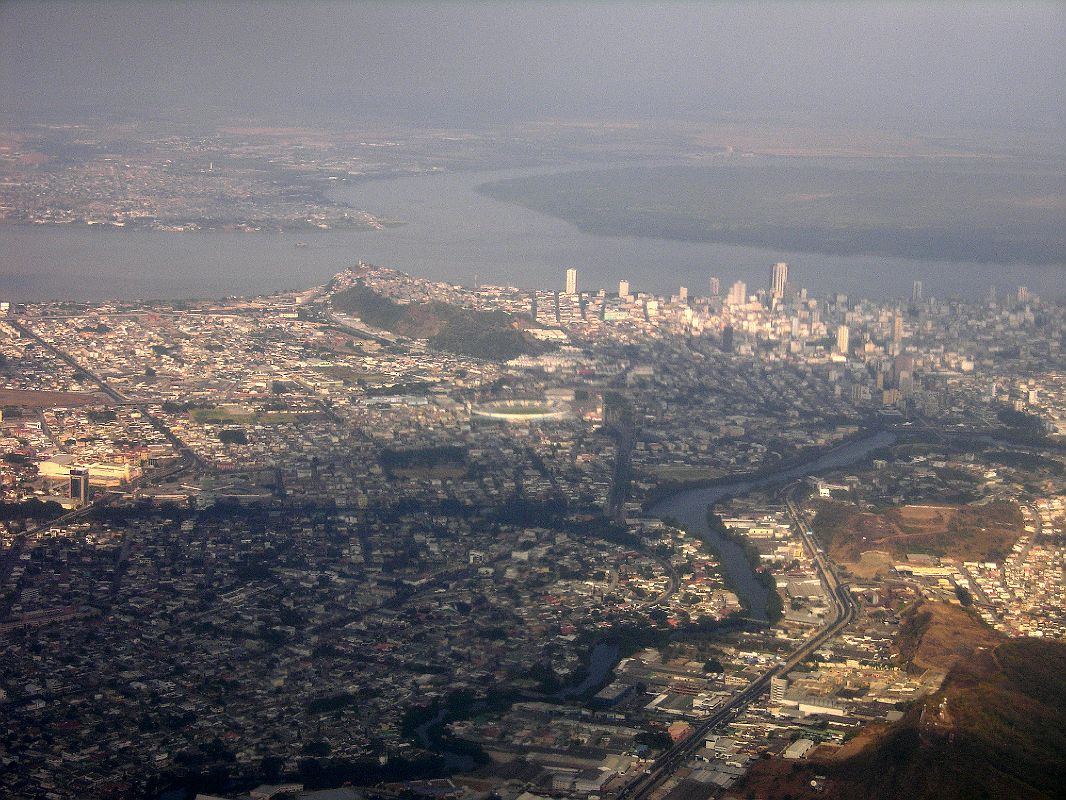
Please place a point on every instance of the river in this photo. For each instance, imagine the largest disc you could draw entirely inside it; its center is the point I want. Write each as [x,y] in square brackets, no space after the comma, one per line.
[451,232]
[601,661]
[689,508]
[453,760]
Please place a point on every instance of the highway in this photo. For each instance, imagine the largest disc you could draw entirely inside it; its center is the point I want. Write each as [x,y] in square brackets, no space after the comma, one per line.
[844,608]
[188,454]
[188,460]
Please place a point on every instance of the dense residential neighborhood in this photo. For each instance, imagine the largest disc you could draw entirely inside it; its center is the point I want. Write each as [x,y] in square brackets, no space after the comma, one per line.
[260,547]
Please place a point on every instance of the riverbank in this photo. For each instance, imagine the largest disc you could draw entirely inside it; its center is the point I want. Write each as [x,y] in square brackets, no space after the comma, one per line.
[774,606]
[451,232]
[925,209]
[669,488]
[689,508]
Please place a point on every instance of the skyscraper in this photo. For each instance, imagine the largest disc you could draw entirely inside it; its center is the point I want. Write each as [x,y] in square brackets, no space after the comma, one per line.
[842,339]
[716,287]
[623,289]
[682,294]
[916,292]
[571,281]
[778,279]
[79,485]
[738,294]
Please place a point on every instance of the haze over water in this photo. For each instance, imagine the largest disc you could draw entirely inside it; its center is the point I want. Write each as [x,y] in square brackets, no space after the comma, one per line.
[452,233]
[931,71]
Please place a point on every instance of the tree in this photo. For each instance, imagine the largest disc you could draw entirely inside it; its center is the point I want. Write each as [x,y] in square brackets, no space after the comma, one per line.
[657,740]
[232,436]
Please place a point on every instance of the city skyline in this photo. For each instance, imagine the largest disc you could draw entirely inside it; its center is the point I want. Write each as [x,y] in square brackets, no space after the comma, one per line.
[532,401]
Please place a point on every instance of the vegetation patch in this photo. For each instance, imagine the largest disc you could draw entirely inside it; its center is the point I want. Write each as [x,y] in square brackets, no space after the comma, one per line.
[935,209]
[492,336]
[969,533]
[221,415]
[424,463]
[995,729]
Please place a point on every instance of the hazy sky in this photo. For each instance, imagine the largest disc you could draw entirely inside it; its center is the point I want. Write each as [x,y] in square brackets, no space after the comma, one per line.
[977,63]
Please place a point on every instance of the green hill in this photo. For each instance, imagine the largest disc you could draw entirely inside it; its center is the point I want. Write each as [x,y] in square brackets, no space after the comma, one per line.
[489,335]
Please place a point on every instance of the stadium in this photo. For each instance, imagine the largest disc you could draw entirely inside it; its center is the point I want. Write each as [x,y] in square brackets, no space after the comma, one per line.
[520,410]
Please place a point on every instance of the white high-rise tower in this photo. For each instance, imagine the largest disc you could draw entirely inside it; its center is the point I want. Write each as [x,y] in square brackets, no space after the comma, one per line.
[843,336]
[571,281]
[778,279]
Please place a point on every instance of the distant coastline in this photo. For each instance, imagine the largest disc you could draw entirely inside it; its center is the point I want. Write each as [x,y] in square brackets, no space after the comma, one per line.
[451,232]
[359,222]
[938,210]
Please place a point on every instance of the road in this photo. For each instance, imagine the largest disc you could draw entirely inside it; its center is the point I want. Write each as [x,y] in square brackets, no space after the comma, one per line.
[10,557]
[188,460]
[617,419]
[350,325]
[187,452]
[844,608]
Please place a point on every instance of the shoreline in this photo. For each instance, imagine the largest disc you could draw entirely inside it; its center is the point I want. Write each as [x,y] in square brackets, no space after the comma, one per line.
[502,242]
[737,569]
[667,490]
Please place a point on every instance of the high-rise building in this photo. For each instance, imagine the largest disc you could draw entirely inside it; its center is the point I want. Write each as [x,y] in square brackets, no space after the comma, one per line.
[571,281]
[738,294]
[778,280]
[1023,294]
[778,687]
[727,338]
[916,292]
[623,289]
[716,287]
[79,484]
[842,338]
[897,332]
[682,294]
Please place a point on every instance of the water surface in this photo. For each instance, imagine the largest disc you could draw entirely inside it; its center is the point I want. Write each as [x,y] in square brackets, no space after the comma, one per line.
[454,233]
[689,508]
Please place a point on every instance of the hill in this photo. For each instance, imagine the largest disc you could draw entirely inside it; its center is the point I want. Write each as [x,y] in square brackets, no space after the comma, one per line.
[937,636]
[489,335]
[968,533]
[996,729]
